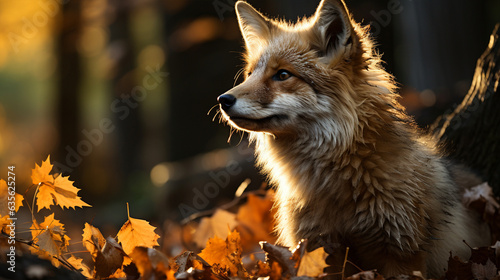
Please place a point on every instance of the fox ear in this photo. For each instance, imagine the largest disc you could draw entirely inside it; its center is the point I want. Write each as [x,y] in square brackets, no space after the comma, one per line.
[333,23]
[254,26]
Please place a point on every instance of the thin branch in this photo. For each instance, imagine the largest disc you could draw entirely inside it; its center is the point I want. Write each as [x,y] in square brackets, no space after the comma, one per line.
[345,261]
[75,252]
[34,245]
[226,206]
[357,267]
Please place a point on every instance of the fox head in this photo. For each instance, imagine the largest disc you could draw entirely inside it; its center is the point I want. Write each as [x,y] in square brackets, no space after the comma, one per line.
[309,76]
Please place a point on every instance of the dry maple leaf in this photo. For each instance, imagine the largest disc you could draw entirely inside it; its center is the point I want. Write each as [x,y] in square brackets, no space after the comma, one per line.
[92,239]
[4,222]
[484,271]
[256,221]
[136,232]
[6,197]
[41,174]
[79,266]
[480,198]
[216,225]
[313,263]
[50,223]
[59,190]
[49,236]
[458,269]
[483,262]
[120,274]
[482,254]
[225,254]
[46,256]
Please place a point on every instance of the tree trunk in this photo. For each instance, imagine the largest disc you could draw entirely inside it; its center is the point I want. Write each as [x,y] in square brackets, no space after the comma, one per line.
[471,133]
[129,127]
[69,71]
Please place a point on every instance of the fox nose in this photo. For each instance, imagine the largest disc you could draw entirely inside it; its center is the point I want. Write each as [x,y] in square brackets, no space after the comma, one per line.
[226,101]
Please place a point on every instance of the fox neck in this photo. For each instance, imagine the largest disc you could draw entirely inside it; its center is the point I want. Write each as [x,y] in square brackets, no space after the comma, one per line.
[315,160]
[310,168]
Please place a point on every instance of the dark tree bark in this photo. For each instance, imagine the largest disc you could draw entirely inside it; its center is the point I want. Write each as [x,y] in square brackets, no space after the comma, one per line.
[129,125]
[471,133]
[69,72]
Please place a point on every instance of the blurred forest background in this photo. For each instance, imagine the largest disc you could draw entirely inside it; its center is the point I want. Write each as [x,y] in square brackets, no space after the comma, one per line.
[118,92]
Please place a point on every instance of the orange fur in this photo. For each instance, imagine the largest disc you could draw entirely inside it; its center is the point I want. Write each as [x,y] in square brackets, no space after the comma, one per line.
[349,165]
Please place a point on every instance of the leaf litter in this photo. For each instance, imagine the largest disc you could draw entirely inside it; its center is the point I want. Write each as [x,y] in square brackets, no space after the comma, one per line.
[227,243]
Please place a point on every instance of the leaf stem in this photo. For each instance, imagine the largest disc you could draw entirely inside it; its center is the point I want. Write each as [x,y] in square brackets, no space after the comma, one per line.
[345,261]
[128,211]
[34,198]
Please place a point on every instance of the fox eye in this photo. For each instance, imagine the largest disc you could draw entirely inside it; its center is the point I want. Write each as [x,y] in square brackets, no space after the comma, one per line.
[281,75]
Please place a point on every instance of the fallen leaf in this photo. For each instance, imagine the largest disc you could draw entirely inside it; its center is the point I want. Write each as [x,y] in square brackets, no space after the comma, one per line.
[313,263]
[215,251]
[281,255]
[261,269]
[188,265]
[6,197]
[172,239]
[367,275]
[136,232]
[481,255]
[458,269]
[107,254]
[152,264]
[187,260]
[59,190]
[276,271]
[216,225]
[119,274]
[225,254]
[109,259]
[484,271]
[131,271]
[4,222]
[92,240]
[82,268]
[481,198]
[256,221]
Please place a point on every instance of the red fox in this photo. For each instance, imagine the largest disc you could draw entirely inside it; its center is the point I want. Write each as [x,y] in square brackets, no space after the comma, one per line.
[349,165]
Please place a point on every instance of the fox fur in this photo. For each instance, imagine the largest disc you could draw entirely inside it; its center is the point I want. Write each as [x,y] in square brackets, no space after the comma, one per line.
[349,165]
